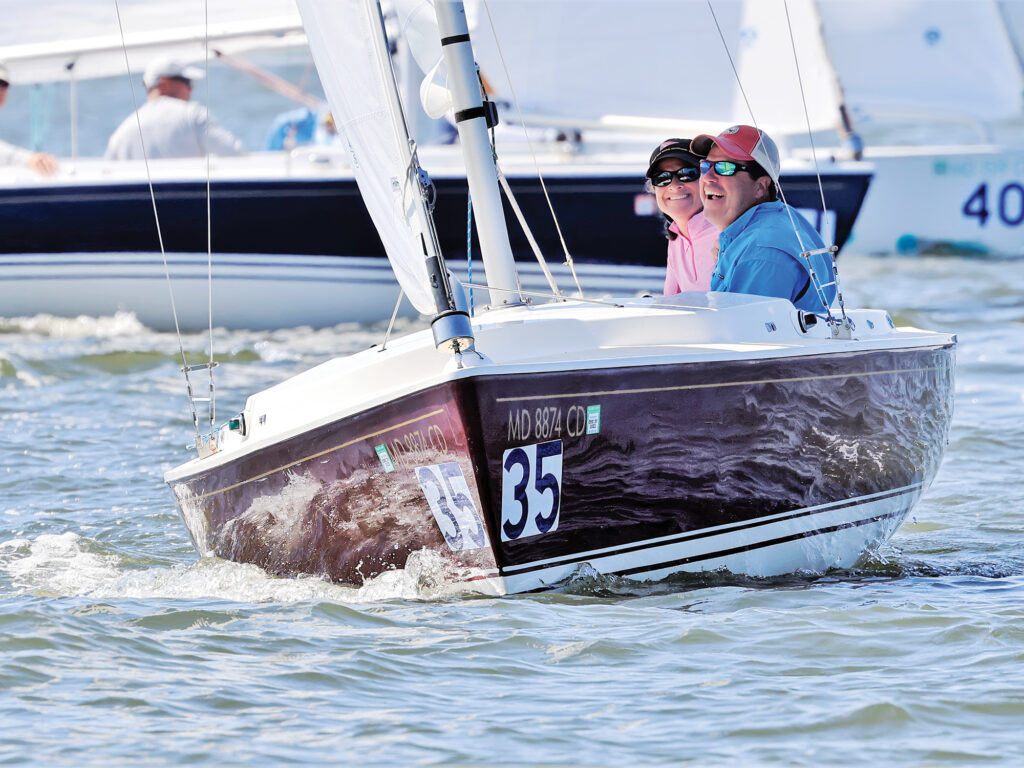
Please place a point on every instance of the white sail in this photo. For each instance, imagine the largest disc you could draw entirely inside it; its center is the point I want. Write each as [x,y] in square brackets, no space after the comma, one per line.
[607,61]
[417,29]
[355,68]
[769,74]
[84,39]
[906,58]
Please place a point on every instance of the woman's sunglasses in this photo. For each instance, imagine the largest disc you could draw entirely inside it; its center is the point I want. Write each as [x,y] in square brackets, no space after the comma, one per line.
[664,178]
[723,167]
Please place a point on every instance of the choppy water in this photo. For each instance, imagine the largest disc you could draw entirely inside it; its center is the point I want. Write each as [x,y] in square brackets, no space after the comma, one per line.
[119,647]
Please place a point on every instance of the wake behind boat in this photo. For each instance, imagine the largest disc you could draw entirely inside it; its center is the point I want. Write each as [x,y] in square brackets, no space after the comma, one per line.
[642,437]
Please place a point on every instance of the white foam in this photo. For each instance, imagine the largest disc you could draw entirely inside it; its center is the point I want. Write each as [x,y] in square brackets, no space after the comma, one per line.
[58,564]
[120,324]
[426,576]
[67,565]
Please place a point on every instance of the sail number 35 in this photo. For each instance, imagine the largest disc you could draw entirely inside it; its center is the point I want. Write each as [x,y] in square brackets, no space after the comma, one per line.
[531,490]
[449,498]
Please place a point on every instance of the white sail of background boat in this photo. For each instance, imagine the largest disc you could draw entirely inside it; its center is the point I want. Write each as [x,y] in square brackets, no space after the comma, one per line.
[569,57]
[642,437]
[942,117]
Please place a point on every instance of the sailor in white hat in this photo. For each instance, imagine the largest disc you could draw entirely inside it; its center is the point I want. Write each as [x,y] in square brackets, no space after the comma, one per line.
[172,124]
[41,162]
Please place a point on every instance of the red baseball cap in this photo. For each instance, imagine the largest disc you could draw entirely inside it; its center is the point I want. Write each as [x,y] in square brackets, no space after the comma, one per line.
[743,142]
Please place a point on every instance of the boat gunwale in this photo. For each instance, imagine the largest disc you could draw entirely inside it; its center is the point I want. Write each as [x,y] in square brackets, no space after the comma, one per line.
[199,466]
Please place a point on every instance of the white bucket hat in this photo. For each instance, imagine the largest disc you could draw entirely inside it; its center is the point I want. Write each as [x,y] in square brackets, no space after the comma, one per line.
[165,66]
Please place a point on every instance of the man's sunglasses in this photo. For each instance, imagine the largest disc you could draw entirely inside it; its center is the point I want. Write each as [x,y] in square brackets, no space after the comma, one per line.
[179,79]
[664,178]
[723,167]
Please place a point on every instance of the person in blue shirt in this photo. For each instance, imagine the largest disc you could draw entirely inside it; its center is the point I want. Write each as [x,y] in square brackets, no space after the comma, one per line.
[301,126]
[762,238]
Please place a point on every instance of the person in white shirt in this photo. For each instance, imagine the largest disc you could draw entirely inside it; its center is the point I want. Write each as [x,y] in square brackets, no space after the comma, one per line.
[172,126]
[40,162]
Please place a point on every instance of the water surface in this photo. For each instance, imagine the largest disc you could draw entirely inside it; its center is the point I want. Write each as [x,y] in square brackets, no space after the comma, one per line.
[118,646]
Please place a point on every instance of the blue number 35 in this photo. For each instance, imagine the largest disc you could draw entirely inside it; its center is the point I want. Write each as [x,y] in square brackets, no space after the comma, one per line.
[542,483]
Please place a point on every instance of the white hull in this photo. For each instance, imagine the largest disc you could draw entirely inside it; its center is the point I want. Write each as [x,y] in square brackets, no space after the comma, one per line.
[961,199]
[255,292]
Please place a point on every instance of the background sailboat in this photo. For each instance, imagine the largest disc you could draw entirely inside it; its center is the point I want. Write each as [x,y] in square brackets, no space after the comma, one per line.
[83,242]
[942,117]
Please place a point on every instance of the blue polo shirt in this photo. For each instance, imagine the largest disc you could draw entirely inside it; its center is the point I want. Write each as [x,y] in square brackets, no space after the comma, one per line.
[759,253]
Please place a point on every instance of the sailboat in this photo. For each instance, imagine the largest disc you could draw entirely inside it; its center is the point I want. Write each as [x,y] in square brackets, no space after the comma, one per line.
[638,437]
[942,120]
[85,241]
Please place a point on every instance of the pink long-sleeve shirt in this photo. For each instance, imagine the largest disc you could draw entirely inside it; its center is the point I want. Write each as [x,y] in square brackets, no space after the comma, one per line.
[691,256]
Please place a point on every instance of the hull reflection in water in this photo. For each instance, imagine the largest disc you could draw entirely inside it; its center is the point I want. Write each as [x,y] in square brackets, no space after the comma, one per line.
[759,458]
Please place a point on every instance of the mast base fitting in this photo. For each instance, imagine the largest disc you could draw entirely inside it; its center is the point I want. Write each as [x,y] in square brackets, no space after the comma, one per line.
[807,320]
[453,332]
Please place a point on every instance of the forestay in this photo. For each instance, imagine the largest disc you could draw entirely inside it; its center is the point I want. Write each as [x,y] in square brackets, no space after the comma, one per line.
[355,68]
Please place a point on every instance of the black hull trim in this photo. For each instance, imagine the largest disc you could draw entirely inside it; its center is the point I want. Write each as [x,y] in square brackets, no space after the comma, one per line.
[302,216]
[681,562]
[694,536]
[767,543]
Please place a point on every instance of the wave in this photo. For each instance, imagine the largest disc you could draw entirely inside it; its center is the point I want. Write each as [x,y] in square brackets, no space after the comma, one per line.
[120,324]
[70,565]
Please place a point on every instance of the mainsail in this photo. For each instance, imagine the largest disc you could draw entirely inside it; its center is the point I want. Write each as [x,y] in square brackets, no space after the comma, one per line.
[354,63]
[608,62]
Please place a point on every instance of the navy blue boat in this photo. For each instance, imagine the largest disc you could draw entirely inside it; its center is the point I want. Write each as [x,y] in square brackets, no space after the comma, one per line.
[91,247]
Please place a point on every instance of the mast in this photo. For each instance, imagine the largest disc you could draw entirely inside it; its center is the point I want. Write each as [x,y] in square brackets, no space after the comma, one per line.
[481,174]
[451,326]
[851,140]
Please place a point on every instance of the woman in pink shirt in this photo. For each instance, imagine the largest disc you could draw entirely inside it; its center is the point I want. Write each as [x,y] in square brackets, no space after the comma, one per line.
[672,176]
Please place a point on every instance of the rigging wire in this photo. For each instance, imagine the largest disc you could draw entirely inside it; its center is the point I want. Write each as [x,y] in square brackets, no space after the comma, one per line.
[515,100]
[529,234]
[159,233]
[804,252]
[469,247]
[817,173]
[803,101]
[209,217]
[394,314]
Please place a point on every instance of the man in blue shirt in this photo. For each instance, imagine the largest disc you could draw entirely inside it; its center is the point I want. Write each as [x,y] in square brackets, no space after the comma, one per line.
[762,238]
